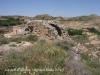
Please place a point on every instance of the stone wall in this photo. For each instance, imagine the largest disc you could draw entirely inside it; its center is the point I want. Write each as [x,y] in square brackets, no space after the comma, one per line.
[44,29]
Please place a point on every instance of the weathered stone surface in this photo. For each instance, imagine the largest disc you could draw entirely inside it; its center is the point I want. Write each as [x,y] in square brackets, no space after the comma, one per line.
[49,30]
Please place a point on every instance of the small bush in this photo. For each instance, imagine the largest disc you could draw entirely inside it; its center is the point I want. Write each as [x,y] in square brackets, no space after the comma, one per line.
[1,52]
[93,30]
[12,45]
[32,38]
[3,40]
[84,56]
[74,32]
[19,41]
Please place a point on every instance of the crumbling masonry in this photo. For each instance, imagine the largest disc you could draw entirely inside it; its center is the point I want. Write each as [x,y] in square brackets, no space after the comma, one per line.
[50,30]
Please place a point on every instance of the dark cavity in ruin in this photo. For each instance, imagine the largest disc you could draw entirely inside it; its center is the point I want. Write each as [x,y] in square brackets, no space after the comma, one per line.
[57,28]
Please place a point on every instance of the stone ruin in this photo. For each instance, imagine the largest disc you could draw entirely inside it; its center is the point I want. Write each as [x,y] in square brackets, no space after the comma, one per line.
[49,30]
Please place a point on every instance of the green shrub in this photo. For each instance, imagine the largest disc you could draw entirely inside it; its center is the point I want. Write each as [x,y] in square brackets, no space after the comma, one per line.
[93,30]
[74,32]
[1,52]
[84,56]
[19,41]
[32,38]
[3,40]
[11,22]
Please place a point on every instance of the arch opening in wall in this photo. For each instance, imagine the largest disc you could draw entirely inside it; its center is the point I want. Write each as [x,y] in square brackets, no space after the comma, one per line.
[57,28]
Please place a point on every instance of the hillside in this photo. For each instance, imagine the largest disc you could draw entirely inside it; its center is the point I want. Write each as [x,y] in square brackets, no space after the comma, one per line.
[47,17]
[82,22]
[77,54]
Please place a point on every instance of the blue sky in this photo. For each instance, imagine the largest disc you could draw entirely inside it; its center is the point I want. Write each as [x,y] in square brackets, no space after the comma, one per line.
[64,8]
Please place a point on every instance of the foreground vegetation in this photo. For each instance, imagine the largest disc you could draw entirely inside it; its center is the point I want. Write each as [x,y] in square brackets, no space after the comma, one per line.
[40,55]
[92,66]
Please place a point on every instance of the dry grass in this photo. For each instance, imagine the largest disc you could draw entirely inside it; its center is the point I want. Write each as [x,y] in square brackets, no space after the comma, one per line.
[40,55]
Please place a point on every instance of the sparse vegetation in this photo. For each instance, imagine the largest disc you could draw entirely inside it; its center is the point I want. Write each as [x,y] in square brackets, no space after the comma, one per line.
[82,18]
[98,36]
[80,38]
[2,32]
[93,67]
[93,30]
[12,45]
[84,56]
[3,40]
[39,56]
[1,53]
[65,44]
[18,39]
[32,38]
[93,64]
[41,41]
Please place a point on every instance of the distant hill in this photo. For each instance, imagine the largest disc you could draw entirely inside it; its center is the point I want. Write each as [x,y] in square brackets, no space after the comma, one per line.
[47,17]
[92,17]
[85,18]
[44,17]
[13,16]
